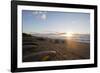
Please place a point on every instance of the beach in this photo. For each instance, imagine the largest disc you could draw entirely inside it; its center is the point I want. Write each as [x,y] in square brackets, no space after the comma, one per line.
[48,49]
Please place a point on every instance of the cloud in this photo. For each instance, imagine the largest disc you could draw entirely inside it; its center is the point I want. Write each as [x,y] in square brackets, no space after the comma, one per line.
[35,12]
[40,14]
[43,16]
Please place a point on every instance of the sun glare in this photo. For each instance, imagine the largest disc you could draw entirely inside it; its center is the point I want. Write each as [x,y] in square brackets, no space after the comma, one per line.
[69,34]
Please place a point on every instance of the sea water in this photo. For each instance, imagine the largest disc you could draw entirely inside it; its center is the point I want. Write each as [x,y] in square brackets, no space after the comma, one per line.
[84,38]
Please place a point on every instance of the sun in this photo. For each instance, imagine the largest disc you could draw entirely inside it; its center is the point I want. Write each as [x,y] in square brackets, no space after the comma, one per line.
[69,34]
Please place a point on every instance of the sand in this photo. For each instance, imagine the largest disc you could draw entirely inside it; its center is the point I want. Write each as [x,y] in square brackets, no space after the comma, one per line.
[36,49]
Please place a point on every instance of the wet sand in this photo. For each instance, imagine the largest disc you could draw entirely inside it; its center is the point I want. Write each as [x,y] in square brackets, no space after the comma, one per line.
[67,49]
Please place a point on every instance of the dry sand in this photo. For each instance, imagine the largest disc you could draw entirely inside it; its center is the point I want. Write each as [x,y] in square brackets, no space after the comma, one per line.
[65,49]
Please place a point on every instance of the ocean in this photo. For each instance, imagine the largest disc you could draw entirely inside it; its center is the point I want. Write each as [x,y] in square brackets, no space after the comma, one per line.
[85,38]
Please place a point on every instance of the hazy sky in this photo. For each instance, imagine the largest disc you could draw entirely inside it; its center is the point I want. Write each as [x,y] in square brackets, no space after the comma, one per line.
[42,21]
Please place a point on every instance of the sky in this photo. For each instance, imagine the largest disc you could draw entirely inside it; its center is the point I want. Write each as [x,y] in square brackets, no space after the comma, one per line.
[52,21]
